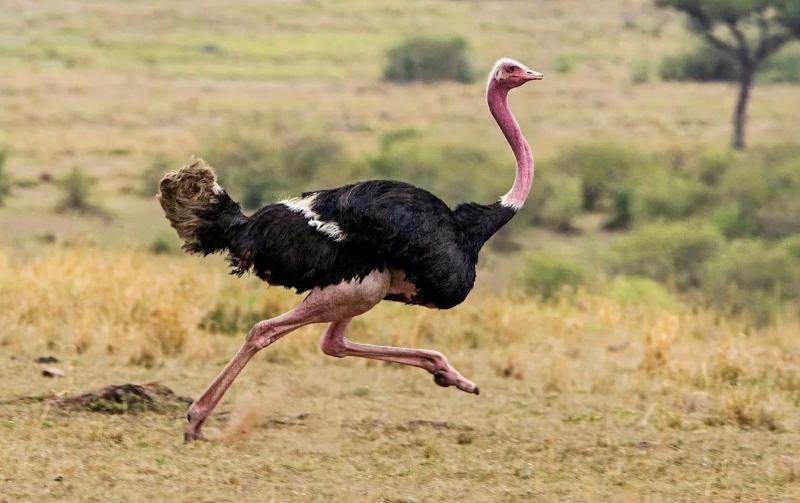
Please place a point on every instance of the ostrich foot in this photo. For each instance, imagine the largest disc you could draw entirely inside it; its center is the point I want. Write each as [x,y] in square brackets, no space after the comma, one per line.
[195,429]
[192,435]
[444,380]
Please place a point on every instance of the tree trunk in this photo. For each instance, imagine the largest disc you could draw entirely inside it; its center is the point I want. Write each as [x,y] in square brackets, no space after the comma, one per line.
[740,115]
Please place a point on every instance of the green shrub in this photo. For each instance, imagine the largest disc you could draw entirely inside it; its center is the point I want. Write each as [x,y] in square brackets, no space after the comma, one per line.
[640,72]
[149,178]
[707,64]
[670,196]
[5,178]
[78,189]
[545,275]
[165,243]
[792,246]
[754,278]
[636,289]
[454,173]
[311,158]
[783,67]
[239,306]
[564,205]
[703,64]
[759,199]
[731,220]
[602,168]
[429,59]
[667,252]
[621,213]
[235,312]
[257,173]
[712,165]
[555,201]
[248,169]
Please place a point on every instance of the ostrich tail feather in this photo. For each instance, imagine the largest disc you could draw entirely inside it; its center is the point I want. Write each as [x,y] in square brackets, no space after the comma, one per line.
[199,210]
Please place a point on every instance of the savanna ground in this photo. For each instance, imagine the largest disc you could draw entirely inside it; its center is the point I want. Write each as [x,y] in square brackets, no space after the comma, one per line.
[585,399]
[629,396]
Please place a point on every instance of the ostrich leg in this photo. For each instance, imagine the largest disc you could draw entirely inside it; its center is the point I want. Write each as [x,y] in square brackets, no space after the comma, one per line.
[337,302]
[334,343]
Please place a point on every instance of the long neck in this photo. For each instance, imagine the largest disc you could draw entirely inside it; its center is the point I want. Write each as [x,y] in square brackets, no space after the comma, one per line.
[497,97]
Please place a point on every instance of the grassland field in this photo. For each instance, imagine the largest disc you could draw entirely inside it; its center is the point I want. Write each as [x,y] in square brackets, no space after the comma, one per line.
[585,398]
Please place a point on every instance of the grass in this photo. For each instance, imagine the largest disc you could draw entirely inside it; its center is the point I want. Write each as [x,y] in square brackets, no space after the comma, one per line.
[614,400]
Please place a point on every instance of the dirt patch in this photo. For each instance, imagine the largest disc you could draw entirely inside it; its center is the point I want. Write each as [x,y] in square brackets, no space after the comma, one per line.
[117,399]
[127,399]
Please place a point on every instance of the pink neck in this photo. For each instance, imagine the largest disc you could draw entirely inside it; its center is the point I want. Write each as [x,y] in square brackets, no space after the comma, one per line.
[497,97]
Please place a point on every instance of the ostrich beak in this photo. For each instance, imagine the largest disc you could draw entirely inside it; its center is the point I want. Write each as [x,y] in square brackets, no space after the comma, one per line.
[531,75]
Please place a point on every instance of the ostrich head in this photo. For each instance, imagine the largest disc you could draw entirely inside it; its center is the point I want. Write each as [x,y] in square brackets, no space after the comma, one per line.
[511,74]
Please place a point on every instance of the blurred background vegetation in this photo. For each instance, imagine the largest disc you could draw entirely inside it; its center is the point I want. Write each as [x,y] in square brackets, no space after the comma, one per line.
[637,195]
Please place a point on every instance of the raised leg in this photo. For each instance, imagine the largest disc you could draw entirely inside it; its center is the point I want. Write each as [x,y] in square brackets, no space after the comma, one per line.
[333,303]
[334,343]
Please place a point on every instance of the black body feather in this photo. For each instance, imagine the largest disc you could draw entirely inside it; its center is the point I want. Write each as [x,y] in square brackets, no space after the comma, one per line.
[385,225]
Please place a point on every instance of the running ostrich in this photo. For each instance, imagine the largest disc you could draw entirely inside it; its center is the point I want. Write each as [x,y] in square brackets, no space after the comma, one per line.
[350,247]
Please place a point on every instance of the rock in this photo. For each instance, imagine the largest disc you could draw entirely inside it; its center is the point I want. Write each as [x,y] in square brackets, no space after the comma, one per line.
[53,372]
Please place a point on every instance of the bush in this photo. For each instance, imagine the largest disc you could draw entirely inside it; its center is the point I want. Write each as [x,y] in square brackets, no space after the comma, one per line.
[703,64]
[712,165]
[621,217]
[732,221]
[635,289]
[5,178]
[311,158]
[754,278]
[260,173]
[666,195]
[708,64]
[602,169]
[454,173]
[429,59]
[149,178]
[666,252]
[78,189]
[759,199]
[556,201]
[783,67]
[247,167]
[792,246]
[564,205]
[640,72]
[545,275]
[165,243]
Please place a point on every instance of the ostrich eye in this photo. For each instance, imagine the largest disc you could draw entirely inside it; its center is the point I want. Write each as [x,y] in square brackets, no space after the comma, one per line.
[512,68]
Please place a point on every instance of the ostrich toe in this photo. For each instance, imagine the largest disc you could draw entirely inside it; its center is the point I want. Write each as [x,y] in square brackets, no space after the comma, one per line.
[444,380]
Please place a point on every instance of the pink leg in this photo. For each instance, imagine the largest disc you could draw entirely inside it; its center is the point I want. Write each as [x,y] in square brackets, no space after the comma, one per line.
[337,302]
[334,343]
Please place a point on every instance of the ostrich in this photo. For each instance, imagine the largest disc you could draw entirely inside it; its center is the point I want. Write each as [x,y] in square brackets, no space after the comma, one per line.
[350,247]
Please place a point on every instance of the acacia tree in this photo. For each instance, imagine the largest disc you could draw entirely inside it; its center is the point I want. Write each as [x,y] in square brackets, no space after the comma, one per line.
[749,30]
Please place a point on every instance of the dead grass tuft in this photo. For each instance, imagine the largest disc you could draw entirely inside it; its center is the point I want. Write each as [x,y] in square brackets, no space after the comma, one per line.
[658,342]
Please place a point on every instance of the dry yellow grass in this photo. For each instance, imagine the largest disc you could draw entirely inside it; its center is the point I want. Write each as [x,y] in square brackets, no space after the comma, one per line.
[583,399]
